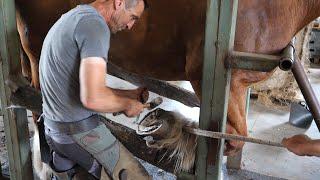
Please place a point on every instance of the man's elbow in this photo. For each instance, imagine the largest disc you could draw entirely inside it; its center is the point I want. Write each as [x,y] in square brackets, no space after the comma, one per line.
[90,103]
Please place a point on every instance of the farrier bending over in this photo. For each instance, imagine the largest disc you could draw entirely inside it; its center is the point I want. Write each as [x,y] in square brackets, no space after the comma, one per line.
[72,79]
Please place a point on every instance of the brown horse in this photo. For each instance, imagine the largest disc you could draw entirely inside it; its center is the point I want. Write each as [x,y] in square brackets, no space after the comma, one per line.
[167,42]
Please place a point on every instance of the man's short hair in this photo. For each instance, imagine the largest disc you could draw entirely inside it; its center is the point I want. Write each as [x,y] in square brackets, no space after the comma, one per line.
[133,3]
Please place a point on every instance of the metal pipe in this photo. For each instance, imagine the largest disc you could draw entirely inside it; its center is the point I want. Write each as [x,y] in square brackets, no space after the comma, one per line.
[252,61]
[307,91]
[220,135]
[287,59]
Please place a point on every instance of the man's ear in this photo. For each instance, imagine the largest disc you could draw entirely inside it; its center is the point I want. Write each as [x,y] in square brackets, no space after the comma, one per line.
[118,4]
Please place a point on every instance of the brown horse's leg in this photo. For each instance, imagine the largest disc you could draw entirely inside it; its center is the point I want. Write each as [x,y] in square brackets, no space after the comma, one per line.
[236,115]
[236,123]
[196,85]
[25,65]
[240,81]
[35,75]
[236,109]
[29,68]
[33,60]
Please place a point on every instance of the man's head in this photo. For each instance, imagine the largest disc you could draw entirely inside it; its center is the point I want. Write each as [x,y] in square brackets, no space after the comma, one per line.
[125,13]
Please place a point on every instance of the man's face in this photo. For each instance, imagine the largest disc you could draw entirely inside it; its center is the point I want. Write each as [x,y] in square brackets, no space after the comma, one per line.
[123,18]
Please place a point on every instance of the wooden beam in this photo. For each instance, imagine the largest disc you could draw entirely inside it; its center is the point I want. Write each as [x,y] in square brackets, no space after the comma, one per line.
[157,86]
[15,120]
[30,98]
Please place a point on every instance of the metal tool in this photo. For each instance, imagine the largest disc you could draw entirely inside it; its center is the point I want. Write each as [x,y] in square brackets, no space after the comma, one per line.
[219,135]
[150,105]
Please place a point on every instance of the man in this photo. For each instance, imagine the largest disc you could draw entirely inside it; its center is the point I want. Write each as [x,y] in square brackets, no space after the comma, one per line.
[72,80]
[302,145]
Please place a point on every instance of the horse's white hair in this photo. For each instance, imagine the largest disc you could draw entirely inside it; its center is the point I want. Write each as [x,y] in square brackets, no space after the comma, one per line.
[180,145]
[42,170]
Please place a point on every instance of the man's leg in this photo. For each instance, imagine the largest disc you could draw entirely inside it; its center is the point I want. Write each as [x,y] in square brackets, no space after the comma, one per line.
[111,154]
[67,155]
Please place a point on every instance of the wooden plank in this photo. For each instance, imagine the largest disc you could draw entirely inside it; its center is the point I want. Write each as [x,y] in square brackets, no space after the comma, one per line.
[207,83]
[157,86]
[1,114]
[15,120]
[220,30]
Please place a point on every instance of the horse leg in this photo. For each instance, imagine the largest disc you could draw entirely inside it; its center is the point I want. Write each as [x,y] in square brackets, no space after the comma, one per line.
[26,46]
[25,65]
[236,115]
[236,109]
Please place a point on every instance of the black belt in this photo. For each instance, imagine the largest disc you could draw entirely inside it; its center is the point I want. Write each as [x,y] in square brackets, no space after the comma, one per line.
[74,127]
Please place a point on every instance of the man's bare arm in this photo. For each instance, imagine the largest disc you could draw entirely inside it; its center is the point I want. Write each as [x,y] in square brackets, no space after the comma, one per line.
[96,96]
[302,145]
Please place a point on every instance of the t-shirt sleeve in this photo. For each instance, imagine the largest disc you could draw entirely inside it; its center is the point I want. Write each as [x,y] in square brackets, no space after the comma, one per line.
[93,38]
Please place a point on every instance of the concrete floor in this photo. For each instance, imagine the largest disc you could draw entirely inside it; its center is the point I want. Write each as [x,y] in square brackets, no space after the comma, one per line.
[273,124]
[259,161]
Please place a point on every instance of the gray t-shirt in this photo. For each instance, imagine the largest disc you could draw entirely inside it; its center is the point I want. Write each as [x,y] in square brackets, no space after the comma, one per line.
[82,32]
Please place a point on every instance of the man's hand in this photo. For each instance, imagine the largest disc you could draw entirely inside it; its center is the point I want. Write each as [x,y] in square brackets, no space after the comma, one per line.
[142,94]
[298,144]
[134,108]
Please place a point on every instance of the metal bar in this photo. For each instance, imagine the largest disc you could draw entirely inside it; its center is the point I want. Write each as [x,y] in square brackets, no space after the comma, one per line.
[219,41]
[307,91]
[219,135]
[287,59]
[15,120]
[254,62]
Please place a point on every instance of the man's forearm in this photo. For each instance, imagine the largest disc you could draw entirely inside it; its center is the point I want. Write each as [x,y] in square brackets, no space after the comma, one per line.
[132,94]
[313,148]
[109,100]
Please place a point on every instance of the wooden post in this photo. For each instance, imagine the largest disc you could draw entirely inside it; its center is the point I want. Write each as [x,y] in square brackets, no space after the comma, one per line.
[219,41]
[1,113]
[15,120]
